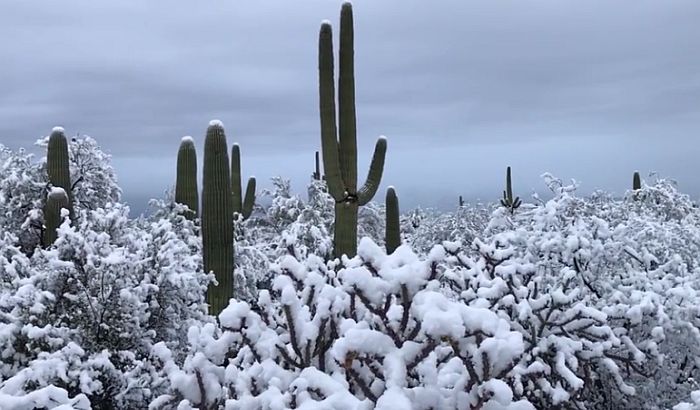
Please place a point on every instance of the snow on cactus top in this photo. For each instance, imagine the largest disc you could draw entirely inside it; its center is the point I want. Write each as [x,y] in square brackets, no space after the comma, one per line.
[216,123]
[57,191]
[57,129]
[187,139]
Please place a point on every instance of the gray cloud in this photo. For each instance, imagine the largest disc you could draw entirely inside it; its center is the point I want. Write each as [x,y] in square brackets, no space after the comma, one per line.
[590,90]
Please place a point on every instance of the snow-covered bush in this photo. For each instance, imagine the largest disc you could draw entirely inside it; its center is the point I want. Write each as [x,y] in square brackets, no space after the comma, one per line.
[83,314]
[379,332]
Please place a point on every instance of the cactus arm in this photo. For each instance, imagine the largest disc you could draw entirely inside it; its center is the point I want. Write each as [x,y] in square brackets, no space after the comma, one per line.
[329,139]
[374,176]
[56,200]
[236,178]
[393,226]
[249,198]
[347,127]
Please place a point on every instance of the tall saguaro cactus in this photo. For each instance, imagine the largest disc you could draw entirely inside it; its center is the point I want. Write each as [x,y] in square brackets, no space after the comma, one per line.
[217,218]
[55,201]
[57,165]
[339,142]
[508,201]
[186,190]
[636,181]
[241,205]
[393,226]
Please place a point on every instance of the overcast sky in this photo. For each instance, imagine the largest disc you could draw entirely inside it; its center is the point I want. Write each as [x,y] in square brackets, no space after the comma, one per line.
[590,90]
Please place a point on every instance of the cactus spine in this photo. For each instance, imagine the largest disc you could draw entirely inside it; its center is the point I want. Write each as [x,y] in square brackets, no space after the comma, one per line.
[636,181]
[57,165]
[217,218]
[508,201]
[56,200]
[186,190]
[393,226]
[339,146]
[240,205]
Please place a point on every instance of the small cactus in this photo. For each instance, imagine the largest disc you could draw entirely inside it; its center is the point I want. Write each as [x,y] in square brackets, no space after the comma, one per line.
[57,164]
[186,190]
[317,169]
[636,181]
[508,201]
[393,226]
[217,218]
[56,200]
[243,206]
[461,201]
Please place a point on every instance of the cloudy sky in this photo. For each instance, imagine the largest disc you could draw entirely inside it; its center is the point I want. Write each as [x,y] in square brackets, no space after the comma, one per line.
[590,90]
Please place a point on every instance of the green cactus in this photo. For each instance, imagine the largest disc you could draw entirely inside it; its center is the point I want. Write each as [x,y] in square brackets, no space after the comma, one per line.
[58,166]
[508,201]
[317,172]
[217,218]
[461,201]
[339,143]
[56,200]
[636,181]
[240,205]
[186,190]
[393,226]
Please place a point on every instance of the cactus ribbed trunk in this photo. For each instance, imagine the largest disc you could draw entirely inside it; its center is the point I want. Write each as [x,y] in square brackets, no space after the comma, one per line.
[217,218]
[186,190]
[345,232]
[56,200]
[339,146]
[58,165]
[393,225]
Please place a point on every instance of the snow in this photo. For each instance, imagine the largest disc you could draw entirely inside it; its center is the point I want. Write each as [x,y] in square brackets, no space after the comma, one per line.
[216,123]
[57,129]
[56,191]
[187,139]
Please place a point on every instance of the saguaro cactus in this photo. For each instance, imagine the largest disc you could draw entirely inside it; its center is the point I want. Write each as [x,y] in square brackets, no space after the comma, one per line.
[508,201]
[636,181]
[217,218]
[339,143]
[56,200]
[317,169]
[186,190]
[57,165]
[393,226]
[241,205]
[461,201]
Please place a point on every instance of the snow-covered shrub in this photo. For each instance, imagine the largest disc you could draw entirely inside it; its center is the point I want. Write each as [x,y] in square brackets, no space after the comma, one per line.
[379,332]
[84,314]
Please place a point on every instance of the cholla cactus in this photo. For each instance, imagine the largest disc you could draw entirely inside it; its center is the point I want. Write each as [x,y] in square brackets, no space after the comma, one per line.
[339,143]
[217,218]
[186,190]
[508,201]
[240,205]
